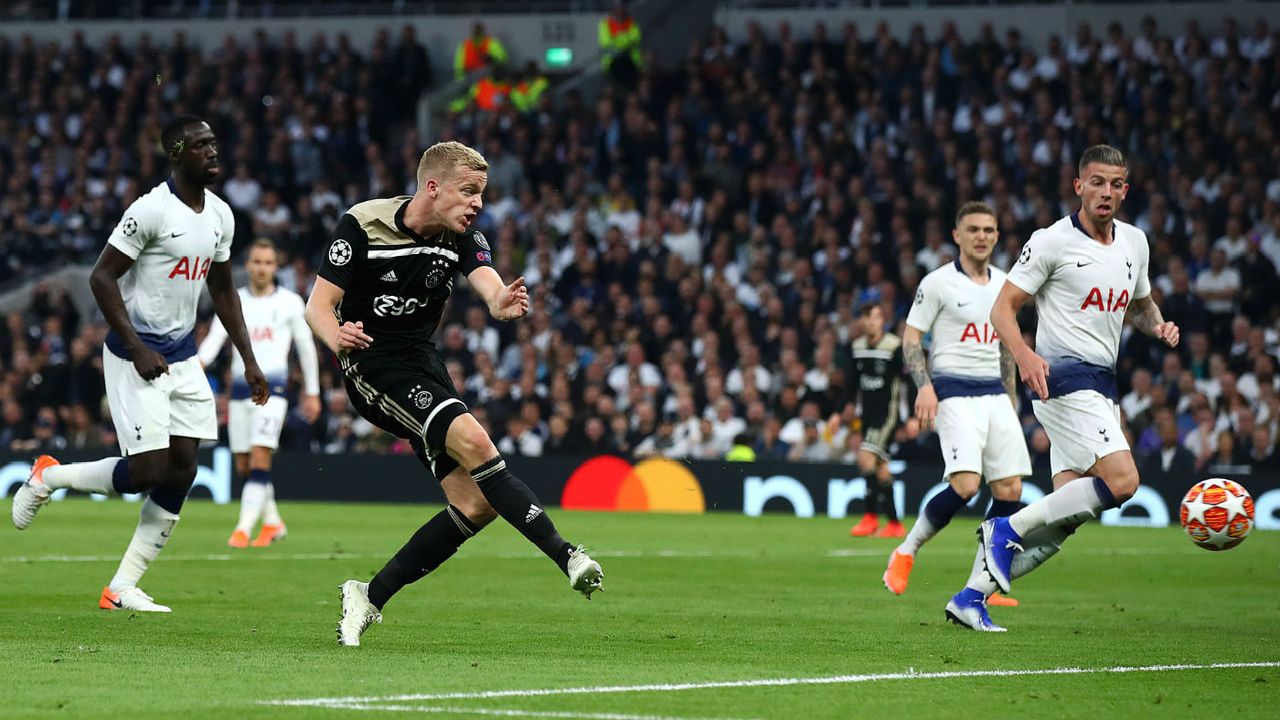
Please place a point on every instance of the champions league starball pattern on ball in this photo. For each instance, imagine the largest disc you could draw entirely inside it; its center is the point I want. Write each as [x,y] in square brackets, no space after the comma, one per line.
[1217,514]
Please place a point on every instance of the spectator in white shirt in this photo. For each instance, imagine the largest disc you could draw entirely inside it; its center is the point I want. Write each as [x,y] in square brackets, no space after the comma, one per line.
[634,370]
[1235,243]
[480,336]
[242,191]
[272,219]
[1138,400]
[682,240]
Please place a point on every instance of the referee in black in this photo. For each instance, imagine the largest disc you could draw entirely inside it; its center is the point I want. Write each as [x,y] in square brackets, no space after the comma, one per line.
[378,298]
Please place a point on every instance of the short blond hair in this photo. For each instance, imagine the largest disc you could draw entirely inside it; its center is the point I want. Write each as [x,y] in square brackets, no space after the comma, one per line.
[440,159]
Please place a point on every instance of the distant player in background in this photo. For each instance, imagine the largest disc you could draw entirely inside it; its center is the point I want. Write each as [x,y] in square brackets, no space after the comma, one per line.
[378,299]
[147,283]
[276,320]
[972,392]
[1088,272]
[877,383]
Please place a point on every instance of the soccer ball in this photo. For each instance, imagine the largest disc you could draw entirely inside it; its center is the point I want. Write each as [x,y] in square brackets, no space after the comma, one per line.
[1217,514]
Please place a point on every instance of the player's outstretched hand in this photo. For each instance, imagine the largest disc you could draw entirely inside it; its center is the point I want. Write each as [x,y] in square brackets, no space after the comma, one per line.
[310,408]
[258,387]
[926,407]
[512,302]
[1168,332]
[149,363]
[1034,372]
[351,337]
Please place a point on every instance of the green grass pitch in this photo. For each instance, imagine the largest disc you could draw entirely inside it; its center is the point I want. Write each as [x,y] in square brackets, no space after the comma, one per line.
[697,602]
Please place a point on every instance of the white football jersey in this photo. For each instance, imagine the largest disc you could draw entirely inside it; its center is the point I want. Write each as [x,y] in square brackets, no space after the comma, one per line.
[275,322]
[957,311]
[1082,289]
[172,247]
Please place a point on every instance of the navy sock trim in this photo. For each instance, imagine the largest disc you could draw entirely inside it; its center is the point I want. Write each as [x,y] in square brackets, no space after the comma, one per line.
[943,506]
[1004,508]
[259,476]
[1104,494]
[168,499]
[120,477]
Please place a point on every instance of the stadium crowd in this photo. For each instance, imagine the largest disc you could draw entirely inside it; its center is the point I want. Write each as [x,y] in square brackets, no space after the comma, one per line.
[696,240]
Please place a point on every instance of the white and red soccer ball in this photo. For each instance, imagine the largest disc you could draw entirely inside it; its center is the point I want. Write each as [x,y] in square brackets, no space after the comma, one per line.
[1217,514]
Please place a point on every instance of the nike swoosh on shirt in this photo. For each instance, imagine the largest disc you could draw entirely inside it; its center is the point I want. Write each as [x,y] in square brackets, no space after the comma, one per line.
[960,304]
[1080,264]
[177,234]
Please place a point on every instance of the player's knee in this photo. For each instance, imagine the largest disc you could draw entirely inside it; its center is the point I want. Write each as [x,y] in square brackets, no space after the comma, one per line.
[181,475]
[965,485]
[473,447]
[147,476]
[478,510]
[1009,489]
[1122,484]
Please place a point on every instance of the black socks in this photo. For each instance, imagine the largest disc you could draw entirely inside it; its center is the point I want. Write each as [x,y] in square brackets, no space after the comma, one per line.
[435,542]
[517,504]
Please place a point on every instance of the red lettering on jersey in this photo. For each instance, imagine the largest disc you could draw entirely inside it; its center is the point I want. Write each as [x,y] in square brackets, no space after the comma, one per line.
[182,268]
[204,269]
[1122,302]
[1112,303]
[987,335]
[1094,298]
[261,334]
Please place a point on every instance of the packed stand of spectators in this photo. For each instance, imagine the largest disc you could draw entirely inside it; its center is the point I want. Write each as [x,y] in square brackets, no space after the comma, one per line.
[696,241]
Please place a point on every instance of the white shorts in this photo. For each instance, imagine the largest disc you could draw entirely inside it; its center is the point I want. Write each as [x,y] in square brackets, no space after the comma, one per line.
[250,426]
[147,413]
[1083,427]
[982,435]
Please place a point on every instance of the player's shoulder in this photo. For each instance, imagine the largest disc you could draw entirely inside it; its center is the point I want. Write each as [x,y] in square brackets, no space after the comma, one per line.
[154,200]
[1058,233]
[997,275]
[215,201]
[1134,234]
[474,237]
[860,343]
[285,296]
[377,218]
[890,342]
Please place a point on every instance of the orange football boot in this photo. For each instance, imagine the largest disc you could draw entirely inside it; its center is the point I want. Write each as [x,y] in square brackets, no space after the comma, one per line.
[269,534]
[895,576]
[239,539]
[867,527]
[893,530]
[1001,601]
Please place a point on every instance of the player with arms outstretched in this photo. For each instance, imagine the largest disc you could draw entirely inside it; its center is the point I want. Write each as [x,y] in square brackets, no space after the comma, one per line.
[275,317]
[147,283]
[1088,272]
[378,299]
[877,383]
[971,392]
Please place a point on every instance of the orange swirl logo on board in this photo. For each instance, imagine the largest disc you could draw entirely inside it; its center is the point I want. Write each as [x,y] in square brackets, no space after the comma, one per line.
[612,484]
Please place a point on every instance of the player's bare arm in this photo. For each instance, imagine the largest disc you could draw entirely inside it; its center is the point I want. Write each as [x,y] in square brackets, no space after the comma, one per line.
[505,301]
[918,367]
[1032,368]
[322,316]
[1146,317]
[226,304]
[1009,374]
[103,280]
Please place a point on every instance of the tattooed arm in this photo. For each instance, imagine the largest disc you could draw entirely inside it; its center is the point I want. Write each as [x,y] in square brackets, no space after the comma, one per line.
[1146,317]
[1009,374]
[913,358]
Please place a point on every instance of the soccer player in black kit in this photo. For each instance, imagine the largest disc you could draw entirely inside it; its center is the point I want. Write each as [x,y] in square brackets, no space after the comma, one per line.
[877,378]
[378,299]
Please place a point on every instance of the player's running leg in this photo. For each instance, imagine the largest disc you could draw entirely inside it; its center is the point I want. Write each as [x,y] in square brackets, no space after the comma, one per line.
[515,502]
[250,495]
[104,477]
[868,463]
[884,484]
[937,513]
[968,608]
[1113,479]
[156,522]
[435,542]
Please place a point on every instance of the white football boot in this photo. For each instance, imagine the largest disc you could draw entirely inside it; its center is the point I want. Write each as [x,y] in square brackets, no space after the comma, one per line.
[33,494]
[131,598]
[585,575]
[357,612]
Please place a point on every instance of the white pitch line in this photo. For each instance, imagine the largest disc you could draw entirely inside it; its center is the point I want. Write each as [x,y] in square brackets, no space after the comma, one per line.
[447,710]
[764,682]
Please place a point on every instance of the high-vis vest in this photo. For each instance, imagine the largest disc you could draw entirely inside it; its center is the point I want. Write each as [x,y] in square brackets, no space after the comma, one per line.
[473,55]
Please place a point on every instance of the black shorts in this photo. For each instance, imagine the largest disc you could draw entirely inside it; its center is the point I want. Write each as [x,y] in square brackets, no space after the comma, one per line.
[411,397]
[878,429]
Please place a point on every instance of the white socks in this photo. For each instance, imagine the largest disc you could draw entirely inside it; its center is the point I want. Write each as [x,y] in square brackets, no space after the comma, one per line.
[252,498]
[1073,503]
[90,477]
[1040,545]
[154,527]
[271,513]
[920,534]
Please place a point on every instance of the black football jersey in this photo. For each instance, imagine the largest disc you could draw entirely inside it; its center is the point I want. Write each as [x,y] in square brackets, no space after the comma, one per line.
[396,282]
[877,377]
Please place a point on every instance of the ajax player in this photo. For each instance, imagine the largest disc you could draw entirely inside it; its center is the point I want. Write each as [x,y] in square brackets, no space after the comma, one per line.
[147,283]
[877,381]
[1087,271]
[969,392]
[378,299]
[275,317]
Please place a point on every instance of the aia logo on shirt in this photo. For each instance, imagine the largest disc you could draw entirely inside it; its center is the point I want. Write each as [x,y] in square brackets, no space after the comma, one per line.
[974,333]
[1110,303]
[262,334]
[190,269]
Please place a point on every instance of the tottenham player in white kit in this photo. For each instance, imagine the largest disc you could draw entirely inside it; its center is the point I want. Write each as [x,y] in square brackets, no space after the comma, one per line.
[147,283]
[970,389]
[275,319]
[1088,271]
